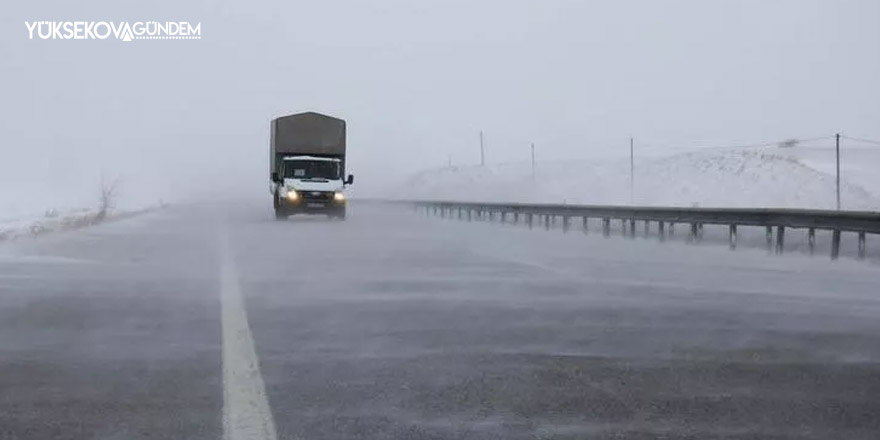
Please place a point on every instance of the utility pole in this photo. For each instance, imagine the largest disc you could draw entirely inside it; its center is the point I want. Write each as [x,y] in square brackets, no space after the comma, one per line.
[632,175]
[533,161]
[837,150]
[482,151]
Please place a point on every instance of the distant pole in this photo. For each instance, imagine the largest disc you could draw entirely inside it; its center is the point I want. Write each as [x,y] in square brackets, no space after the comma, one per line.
[632,176]
[482,150]
[533,161]
[837,149]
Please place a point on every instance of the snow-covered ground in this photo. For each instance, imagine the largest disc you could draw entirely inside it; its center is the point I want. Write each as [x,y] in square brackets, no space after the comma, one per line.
[766,177]
[31,210]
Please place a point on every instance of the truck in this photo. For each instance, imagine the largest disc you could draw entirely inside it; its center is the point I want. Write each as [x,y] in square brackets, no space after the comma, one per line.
[307,165]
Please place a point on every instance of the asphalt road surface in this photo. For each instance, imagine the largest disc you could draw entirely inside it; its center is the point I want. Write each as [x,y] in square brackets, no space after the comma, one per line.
[216,321]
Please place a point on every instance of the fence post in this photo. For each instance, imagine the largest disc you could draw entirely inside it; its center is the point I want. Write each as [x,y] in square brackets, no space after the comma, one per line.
[780,239]
[811,239]
[861,245]
[835,244]
[606,227]
[732,237]
[586,223]
[699,232]
[769,237]
[693,235]
[547,222]
[530,220]
[661,230]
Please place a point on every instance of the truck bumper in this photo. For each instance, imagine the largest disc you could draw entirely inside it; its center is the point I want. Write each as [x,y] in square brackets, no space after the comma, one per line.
[301,206]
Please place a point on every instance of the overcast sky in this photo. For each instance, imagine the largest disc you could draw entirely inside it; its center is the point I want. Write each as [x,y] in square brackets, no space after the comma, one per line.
[417,80]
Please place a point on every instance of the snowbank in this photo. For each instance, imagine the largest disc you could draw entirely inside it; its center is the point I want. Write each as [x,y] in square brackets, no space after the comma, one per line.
[745,178]
[54,221]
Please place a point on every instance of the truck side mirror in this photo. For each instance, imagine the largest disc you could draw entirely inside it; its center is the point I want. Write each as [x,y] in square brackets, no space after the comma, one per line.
[350,179]
[275,177]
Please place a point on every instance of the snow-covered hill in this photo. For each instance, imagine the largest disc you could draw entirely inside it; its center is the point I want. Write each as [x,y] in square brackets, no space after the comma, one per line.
[733,178]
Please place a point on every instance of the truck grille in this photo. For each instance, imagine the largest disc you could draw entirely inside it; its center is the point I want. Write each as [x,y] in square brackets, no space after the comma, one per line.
[316,196]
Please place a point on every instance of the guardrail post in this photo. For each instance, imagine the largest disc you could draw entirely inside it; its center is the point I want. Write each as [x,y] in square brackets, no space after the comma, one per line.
[647,228]
[699,232]
[861,245]
[811,240]
[606,227]
[529,220]
[835,244]
[693,235]
[586,223]
[566,222]
[671,229]
[632,228]
[780,239]
[661,230]
[623,227]
[547,222]
[732,237]
[769,237]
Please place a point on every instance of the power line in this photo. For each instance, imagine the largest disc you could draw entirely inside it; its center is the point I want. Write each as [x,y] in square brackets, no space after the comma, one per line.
[867,141]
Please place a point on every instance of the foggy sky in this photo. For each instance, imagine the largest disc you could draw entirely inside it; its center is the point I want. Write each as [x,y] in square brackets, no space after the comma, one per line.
[416,81]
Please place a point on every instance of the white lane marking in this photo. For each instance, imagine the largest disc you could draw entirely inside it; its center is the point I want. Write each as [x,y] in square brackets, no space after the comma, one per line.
[246,412]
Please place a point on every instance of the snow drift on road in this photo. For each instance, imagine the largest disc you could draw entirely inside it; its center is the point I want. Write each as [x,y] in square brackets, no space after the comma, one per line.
[744,178]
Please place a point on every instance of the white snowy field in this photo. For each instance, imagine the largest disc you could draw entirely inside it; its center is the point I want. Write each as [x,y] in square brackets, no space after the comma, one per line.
[765,177]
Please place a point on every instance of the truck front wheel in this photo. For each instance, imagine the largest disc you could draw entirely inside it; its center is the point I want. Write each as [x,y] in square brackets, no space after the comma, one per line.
[340,214]
[279,210]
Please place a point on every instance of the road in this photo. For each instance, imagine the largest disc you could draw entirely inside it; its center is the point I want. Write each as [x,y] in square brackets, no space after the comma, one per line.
[195,320]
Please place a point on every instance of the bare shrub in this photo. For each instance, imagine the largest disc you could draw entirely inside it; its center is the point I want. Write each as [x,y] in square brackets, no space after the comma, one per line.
[788,143]
[107,199]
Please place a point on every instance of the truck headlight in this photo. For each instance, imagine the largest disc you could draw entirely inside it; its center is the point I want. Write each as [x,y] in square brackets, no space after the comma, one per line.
[339,197]
[292,195]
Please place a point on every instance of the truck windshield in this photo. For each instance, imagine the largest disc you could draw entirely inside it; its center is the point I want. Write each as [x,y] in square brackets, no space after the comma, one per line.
[311,169]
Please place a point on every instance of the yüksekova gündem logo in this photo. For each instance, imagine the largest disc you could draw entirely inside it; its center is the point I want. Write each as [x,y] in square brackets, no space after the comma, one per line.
[122,30]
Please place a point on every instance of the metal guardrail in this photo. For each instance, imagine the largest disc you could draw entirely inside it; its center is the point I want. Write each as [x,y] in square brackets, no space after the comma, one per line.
[860,222]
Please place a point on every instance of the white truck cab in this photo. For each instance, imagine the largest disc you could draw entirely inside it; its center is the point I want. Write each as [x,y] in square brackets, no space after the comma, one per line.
[312,184]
